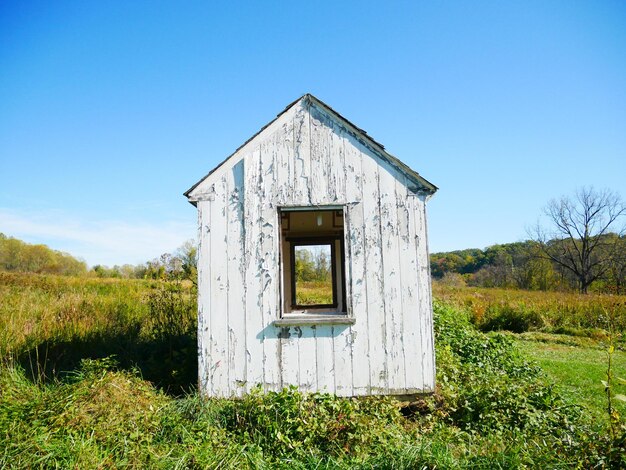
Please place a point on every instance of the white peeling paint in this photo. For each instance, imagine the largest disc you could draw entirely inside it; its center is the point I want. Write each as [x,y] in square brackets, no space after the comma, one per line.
[310,156]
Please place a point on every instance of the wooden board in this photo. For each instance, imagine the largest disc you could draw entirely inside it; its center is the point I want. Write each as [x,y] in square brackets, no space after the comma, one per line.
[392,281]
[236,310]
[374,275]
[251,254]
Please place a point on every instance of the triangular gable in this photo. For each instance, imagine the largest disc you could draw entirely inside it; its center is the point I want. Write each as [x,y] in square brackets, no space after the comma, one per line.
[421,184]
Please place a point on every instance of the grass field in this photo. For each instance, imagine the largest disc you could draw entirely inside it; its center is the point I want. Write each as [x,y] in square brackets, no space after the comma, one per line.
[578,367]
[48,324]
[101,374]
[314,293]
[554,312]
[566,333]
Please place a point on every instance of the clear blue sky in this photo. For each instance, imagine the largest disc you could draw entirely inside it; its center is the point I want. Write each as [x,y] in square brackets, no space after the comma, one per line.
[110,110]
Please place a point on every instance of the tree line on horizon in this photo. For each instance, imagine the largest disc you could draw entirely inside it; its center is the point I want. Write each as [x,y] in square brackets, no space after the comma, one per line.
[520,265]
[581,246]
[19,256]
[312,265]
[524,265]
[182,264]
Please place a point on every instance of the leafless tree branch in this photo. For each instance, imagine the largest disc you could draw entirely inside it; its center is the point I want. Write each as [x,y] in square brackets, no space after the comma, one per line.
[580,240]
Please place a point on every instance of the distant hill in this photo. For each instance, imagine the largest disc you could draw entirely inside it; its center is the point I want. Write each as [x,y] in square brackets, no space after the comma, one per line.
[523,265]
[19,256]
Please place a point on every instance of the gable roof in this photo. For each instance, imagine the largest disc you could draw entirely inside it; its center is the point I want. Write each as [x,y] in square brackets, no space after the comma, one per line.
[361,135]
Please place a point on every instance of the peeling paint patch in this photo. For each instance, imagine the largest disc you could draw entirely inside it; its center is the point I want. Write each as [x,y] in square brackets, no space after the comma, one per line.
[284,333]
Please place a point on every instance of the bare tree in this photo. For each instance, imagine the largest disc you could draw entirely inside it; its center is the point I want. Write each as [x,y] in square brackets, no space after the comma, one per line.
[616,275]
[578,237]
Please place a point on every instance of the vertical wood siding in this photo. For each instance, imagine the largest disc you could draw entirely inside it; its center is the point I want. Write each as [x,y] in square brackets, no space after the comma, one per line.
[306,157]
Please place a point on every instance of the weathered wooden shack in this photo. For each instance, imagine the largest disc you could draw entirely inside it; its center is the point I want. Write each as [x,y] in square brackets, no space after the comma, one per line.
[310,185]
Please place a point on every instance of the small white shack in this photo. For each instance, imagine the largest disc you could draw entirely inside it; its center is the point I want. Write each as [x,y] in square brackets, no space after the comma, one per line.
[313,263]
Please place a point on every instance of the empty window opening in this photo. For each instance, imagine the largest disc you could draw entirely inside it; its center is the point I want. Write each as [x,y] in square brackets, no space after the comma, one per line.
[313,261]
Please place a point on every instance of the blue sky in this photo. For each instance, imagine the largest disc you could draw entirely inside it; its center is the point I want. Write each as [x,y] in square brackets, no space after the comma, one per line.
[110,110]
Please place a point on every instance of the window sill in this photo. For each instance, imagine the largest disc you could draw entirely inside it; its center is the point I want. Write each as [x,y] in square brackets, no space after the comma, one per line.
[308,319]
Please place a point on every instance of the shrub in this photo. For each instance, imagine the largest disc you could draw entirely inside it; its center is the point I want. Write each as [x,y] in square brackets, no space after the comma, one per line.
[489,387]
[291,422]
[510,318]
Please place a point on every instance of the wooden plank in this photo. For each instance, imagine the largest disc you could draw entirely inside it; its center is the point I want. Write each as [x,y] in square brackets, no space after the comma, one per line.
[307,363]
[408,275]
[324,358]
[374,276]
[204,298]
[425,305]
[290,357]
[219,292]
[320,156]
[343,367]
[284,163]
[268,262]
[342,355]
[414,230]
[301,194]
[429,385]
[252,287]
[392,281]
[337,173]
[355,268]
[236,282]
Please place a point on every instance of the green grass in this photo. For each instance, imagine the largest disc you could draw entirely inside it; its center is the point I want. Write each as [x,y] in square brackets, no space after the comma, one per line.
[579,369]
[100,374]
[492,409]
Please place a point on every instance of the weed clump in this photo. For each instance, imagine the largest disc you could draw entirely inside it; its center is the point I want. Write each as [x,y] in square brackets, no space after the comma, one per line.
[490,387]
[114,407]
[291,422]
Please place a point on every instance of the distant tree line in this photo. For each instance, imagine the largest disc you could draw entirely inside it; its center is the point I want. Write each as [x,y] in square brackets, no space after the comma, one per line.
[524,265]
[580,244]
[182,264]
[312,265]
[19,256]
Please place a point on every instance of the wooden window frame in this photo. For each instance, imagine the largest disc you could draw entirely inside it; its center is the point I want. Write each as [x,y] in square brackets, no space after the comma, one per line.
[299,315]
[338,214]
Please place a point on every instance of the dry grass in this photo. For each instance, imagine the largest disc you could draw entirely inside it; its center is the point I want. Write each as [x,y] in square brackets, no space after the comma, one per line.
[49,324]
[558,312]
[37,308]
[314,293]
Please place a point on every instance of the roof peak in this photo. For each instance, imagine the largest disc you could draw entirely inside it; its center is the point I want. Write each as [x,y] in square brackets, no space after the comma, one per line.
[365,139]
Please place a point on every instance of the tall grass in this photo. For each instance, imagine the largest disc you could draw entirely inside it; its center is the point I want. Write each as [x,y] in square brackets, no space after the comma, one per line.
[85,408]
[520,310]
[36,308]
[314,293]
[48,324]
